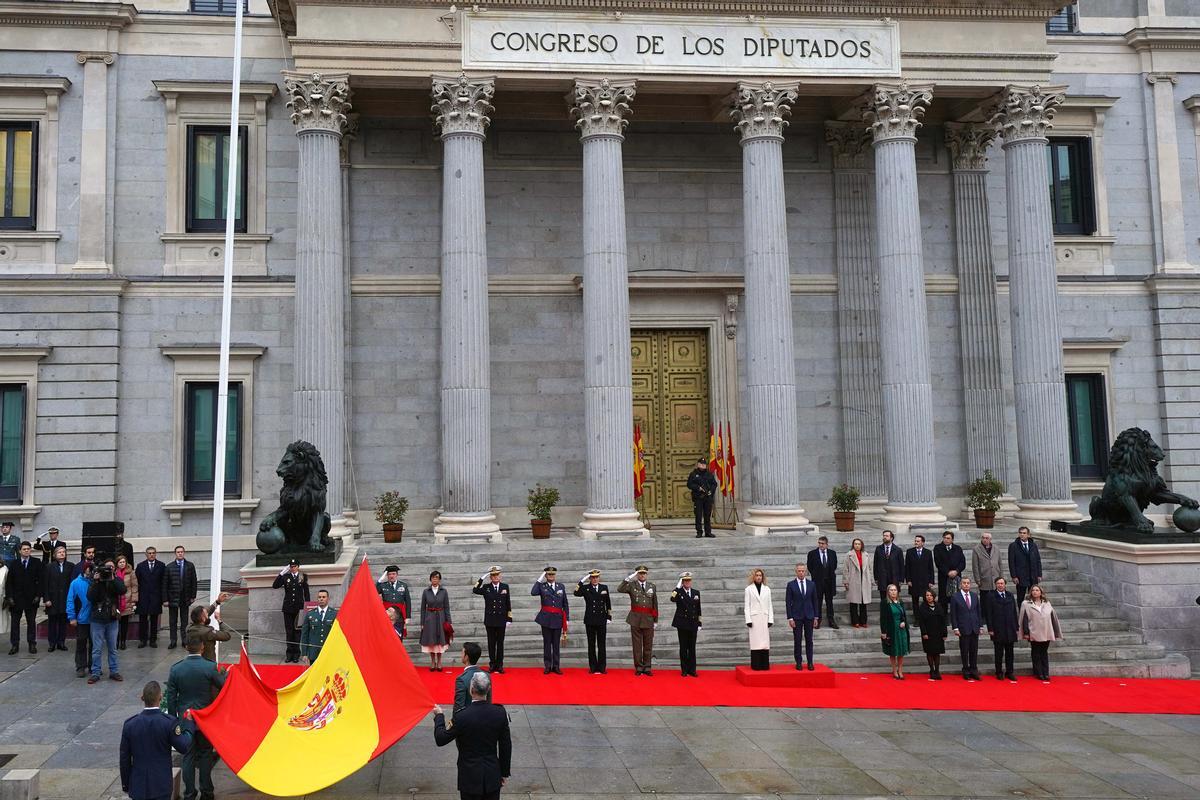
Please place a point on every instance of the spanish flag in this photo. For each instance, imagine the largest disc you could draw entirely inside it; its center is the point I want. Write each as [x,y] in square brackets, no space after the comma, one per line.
[359,698]
[639,461]
[730,462]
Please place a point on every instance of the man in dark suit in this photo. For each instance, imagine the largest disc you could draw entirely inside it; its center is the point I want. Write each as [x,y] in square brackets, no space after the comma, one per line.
[822,568]
[497,615]
[193,683]
[687,621]
[484,742]
[803,605]
[966,621]
[56,582]
[888,566]
[179,591]
[1001,613]
[919,569]
[1024,563]
[597,614]
[462,684]
[146,742]
[951,561]
[22,589]
[151,574]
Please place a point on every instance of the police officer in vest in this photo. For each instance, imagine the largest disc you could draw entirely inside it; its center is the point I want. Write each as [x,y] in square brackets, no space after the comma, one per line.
[687,622]
[553,617]
[318,622]
[295,594]
[497,615]
[394,594]
[596,616]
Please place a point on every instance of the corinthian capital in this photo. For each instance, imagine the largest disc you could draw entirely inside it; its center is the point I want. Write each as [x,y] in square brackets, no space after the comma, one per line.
[848,141]
[761,109]
[968,144]
[1026,112]
[602,107]
[317,101]
[462,104]
[894,110]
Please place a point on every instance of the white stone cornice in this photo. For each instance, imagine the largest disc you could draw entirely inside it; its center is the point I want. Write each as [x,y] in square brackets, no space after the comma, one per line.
[602,107]
[968,144]
[848,142]
[760,110]
[1025,112]
[174,88]
[894,110]
[461,105]
[318,102]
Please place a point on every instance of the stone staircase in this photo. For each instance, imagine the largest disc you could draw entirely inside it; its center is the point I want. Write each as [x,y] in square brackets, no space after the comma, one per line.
[1096,641]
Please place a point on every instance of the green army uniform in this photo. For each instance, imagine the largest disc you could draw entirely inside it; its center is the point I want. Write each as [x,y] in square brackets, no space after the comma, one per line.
[642,618]
[193,683]
[315,630]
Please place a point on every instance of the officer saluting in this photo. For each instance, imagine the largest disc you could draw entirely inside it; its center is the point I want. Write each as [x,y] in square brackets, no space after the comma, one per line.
[552,617]
[318,622]
[497,615]
[394,593]
[642,618]
[596,616]
[295,594]
[687,622]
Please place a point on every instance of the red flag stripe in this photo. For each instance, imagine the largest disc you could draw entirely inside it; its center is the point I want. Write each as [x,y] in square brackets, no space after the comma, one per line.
[257,708]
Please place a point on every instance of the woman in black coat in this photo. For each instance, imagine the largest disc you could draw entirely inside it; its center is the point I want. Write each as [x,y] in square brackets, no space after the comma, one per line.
[931,619]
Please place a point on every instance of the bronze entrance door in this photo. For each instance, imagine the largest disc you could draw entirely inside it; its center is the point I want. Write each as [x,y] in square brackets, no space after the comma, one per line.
[670,403]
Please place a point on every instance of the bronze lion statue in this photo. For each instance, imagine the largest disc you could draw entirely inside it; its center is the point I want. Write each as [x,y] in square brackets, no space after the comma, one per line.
[301,522]
[1132,484]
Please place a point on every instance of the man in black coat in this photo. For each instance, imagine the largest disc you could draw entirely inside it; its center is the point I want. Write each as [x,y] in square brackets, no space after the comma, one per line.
[703,486]
[1001,612]
[1024,563]
[484,742]
[687,621]
[888,566]
[151,574]
[596,616]
[951,561]
[56,582]
[146,743]
[497,615]
[295,594]
[920,570]
[822,568]
[22,588]
[179,592]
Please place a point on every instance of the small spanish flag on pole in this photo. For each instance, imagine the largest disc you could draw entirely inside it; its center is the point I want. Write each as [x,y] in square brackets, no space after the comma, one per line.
[730,463]
[639,461]
[712,450]
[719,469]
[359,698]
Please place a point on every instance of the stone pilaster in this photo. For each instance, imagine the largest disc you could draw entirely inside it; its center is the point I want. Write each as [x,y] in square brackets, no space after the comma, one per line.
[1022,116]
[94,236]
[894,111]
[858,314]
[318,105]
[978,317]
[760,111]
[1164,143]
[602,111]
[349,498]
[461,106]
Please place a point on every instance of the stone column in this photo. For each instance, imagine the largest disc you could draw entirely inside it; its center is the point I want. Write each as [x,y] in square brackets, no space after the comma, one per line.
[461,106]
[858,314]
[602,112]
[349,499]
[93,166]
[1165,144]
[318,105]
[760,111]
[894,113]
[978,317]
[1022,117]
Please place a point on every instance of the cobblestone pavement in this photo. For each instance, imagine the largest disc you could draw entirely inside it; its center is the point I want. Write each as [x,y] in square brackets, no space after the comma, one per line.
[52,720]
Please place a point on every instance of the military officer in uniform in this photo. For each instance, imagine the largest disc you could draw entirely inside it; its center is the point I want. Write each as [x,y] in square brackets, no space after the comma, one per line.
[10,543]
[146,742]
[596,616]
[394,593]
[687,622]
[553,617]
[295,594]
[318,622]
[497,615]
[642,619]
[193,683]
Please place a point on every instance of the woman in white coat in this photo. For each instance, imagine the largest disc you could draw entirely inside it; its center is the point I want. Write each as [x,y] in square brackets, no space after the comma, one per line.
[858,578]
[760,616]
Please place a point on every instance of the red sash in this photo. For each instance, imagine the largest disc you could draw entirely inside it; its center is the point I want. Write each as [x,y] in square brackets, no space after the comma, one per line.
[653,612]
[558,612]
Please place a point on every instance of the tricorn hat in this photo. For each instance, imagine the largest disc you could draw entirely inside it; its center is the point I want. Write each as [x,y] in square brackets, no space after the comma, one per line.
[392,568]
[293,563]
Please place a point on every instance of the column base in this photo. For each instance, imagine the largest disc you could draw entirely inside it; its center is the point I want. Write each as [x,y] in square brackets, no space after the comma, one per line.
[597,524]
[1036,514]
[339,528]
[1008,506]
[870,507]
[457,527]
[351,517]
[905,516]
[761,521]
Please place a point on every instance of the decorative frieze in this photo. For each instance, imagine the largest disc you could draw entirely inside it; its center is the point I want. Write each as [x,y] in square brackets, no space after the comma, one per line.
[848,142]
[462,104]
[602,107]
[1026,112]
[317,101]
[894,111]
[968,144]
[760,110]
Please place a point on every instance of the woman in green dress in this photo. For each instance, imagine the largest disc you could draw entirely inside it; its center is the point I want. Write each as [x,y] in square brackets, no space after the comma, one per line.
[893,627]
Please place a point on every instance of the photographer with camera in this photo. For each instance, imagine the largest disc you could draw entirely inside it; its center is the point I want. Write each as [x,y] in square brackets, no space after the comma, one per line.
[104,594]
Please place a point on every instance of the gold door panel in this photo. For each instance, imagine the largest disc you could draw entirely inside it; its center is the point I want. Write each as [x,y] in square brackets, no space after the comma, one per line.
[670,403]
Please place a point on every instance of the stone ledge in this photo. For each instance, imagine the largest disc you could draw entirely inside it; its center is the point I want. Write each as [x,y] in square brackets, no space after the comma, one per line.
[1121,551]
[176,508]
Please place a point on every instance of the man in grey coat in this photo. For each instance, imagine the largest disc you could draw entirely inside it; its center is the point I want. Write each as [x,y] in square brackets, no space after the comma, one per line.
[987,564]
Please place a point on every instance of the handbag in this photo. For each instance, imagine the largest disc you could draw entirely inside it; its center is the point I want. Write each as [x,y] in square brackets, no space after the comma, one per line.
[448,629]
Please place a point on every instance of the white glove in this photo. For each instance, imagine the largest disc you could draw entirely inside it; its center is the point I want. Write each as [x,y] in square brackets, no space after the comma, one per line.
[542,578]
[382,575]
[632,575]
[583,580]
[656,626]
[484,576]
[284,570]
[508,624]
[679,583]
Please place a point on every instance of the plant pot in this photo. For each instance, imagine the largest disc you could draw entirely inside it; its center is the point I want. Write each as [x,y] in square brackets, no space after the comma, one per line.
[843,521]
[393,532]
[984,519]
[541,528]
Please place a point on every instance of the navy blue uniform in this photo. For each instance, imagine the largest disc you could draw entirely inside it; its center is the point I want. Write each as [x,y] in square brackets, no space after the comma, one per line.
[497,614]
[146,742]
[597,614]
[553,617]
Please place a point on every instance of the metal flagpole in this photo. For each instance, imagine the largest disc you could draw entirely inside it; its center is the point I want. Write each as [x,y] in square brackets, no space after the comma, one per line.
[218,521]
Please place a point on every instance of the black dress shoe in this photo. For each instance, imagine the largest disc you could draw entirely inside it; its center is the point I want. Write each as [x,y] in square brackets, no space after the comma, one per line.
[33,649]
[499,670]
[14,650]
[710,536]
[557,671]
[546,671]
[141,645]
[647,672]
[602,671]
[833,625]
[154,644]
[811,668]
[172,646]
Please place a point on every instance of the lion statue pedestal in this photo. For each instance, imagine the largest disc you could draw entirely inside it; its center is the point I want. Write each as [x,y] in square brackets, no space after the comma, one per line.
[299,528]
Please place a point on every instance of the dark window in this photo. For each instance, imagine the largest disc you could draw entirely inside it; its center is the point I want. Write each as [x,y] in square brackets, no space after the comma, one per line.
[1088,420]
[1071,202]
[207,169]
[18,175]
[12,442]
[1065,21]
[219,7]
[200,451]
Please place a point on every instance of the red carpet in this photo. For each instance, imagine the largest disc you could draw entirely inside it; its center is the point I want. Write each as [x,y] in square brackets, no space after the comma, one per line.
[528,686]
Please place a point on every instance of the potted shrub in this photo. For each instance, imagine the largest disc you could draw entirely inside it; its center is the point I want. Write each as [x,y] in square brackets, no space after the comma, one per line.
[390,509]
[982,496]
[542,500]
[844,502]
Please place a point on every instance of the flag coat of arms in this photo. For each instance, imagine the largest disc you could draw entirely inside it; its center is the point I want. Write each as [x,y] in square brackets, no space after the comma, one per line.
[360,697]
